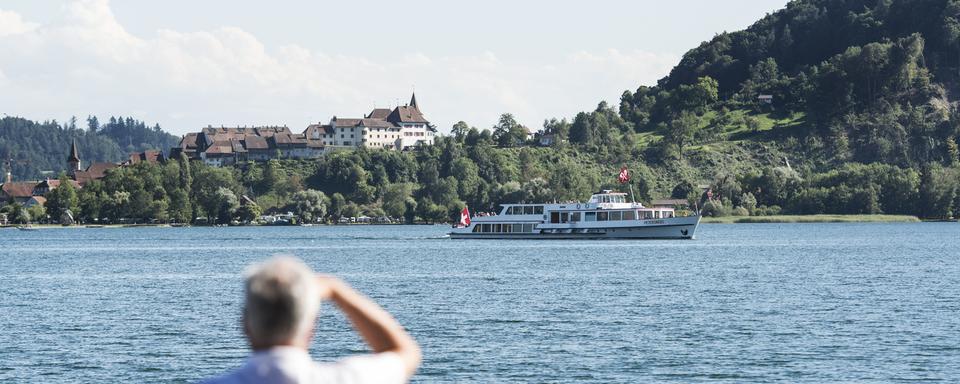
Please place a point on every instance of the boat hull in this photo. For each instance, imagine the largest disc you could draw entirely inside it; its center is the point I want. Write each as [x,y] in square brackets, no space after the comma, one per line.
[673,228]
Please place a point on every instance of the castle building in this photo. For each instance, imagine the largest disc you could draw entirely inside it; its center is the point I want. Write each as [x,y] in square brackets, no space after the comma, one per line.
[400,128]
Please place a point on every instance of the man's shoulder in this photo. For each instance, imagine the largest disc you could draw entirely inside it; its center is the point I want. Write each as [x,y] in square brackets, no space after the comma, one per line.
[373,368]
[229,378]
[385,367]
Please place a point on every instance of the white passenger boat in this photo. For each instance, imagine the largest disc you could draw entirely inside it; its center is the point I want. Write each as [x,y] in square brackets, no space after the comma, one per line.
[608,215]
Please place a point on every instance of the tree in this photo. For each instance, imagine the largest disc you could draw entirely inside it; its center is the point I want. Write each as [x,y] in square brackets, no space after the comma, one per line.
[248,213]
[273,175]
[682,130]
[337,206]
[460,130]
[227,204]
[310,205]
[63,198]
[752,123]
[508,132]
[395,199]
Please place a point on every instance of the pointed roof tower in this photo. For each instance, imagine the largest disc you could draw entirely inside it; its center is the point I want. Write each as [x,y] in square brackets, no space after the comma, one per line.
[73,160]
[74,154]
[413,101]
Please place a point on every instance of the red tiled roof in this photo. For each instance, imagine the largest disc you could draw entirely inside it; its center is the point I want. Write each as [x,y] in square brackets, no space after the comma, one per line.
[379,113]
[406,114]
[54,183]
[95,171]
[220,147]
[189,141]
[376,123]
[345,122]
[22,189]
[152,157]
[254,143]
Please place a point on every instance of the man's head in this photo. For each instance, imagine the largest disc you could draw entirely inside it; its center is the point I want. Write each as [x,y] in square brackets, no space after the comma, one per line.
[282,301]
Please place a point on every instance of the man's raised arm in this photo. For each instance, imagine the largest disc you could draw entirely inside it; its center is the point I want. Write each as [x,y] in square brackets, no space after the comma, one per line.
[377,327]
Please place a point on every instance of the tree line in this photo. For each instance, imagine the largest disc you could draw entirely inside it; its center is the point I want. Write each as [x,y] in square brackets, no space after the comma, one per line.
[35,150]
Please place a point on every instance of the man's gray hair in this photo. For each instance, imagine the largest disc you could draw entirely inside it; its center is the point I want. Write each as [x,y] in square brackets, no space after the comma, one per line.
[282,300]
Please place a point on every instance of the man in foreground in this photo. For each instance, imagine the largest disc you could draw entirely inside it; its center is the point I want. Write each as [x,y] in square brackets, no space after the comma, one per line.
[282,301]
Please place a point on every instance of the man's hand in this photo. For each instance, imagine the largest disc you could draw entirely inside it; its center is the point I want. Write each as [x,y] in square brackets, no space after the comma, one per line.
[327,285]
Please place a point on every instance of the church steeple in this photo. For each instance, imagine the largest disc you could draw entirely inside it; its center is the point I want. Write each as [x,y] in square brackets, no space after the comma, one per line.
[74,159]
[413,101]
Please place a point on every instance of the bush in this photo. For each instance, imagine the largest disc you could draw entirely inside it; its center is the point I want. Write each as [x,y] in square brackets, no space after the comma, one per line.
[764,210]
[714,209]
[740,211]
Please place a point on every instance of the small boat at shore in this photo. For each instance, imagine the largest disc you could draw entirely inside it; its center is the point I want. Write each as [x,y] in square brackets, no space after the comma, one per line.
[27,227]
[607,215]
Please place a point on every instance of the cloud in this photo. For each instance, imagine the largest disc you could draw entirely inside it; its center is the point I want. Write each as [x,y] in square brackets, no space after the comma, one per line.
[86,62]
[11,23]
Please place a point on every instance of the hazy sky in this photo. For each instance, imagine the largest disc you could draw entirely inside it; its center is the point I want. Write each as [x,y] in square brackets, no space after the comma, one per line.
[187,63]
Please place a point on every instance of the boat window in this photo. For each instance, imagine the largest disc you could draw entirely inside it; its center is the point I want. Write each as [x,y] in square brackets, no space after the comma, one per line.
[656,214]
[615,216]
[554,217]
[575,217]
[476,228]
[507,228]
[602,216]
[538,210]
[510,210]
[629,215]
[528,210]
[564,217]
[486,227]
[528,227]
[496,228]
[667,214]
[590,216]
[517,227]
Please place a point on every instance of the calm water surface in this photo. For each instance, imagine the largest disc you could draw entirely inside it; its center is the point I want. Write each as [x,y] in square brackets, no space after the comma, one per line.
[746,302]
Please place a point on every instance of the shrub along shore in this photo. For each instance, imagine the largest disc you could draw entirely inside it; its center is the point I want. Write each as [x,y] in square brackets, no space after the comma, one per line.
[812,219]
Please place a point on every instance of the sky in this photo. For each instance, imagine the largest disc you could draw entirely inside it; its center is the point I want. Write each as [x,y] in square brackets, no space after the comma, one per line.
[186,64]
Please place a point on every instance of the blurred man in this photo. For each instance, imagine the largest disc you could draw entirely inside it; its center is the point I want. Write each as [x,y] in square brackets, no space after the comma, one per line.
[282,301]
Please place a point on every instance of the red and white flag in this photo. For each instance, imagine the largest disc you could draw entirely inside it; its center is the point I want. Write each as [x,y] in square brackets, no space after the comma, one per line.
[465,217]
[624,176]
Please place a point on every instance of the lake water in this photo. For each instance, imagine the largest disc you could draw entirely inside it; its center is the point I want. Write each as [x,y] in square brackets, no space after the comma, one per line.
[744,302]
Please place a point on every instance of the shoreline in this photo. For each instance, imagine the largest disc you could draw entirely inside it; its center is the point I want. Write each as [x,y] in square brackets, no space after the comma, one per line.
[821,218]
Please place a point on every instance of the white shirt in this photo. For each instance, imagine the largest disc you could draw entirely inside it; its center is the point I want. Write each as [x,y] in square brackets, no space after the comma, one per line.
[293,365]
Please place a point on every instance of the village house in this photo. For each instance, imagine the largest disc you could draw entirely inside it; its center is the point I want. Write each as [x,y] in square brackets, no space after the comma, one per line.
[29,193]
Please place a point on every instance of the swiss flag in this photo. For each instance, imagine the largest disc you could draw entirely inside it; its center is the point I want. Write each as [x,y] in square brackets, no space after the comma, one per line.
[465,217]
[624,176]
